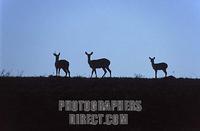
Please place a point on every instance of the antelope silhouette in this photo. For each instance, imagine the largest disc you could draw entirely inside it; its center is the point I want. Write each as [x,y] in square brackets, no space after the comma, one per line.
[61,64]
[99,63]
[158,66]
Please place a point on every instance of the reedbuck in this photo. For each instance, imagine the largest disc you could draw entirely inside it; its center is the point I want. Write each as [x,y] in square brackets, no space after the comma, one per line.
[61,64]
[158,66]
[99,63]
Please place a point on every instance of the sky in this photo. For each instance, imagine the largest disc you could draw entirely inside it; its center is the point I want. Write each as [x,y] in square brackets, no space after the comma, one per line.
[127,32]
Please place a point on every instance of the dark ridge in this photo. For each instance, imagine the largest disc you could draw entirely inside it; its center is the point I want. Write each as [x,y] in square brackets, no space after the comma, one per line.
[31,103]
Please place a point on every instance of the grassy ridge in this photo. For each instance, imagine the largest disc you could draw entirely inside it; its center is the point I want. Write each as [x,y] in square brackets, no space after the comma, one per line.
[32,102]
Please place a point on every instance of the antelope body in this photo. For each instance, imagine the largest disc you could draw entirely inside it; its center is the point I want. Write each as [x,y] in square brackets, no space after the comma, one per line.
[99,63]
[61,64]
[158,66]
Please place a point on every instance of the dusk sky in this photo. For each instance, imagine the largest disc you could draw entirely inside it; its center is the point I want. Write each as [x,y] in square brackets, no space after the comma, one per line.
[126,32]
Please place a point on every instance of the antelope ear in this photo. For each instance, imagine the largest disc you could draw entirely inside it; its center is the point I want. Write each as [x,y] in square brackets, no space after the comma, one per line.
[86,53]
[91,53]
[153,57]
[150,58]
[55,54]
[59,53]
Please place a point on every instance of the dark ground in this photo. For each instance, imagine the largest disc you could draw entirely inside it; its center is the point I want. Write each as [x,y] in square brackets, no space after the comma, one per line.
[31,103]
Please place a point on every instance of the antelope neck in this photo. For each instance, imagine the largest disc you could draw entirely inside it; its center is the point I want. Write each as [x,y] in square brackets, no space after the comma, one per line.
[57,59]
[89,59]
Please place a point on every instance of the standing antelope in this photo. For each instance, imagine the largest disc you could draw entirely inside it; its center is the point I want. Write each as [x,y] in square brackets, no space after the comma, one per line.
[99,63]
[158,66]
[61,64]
